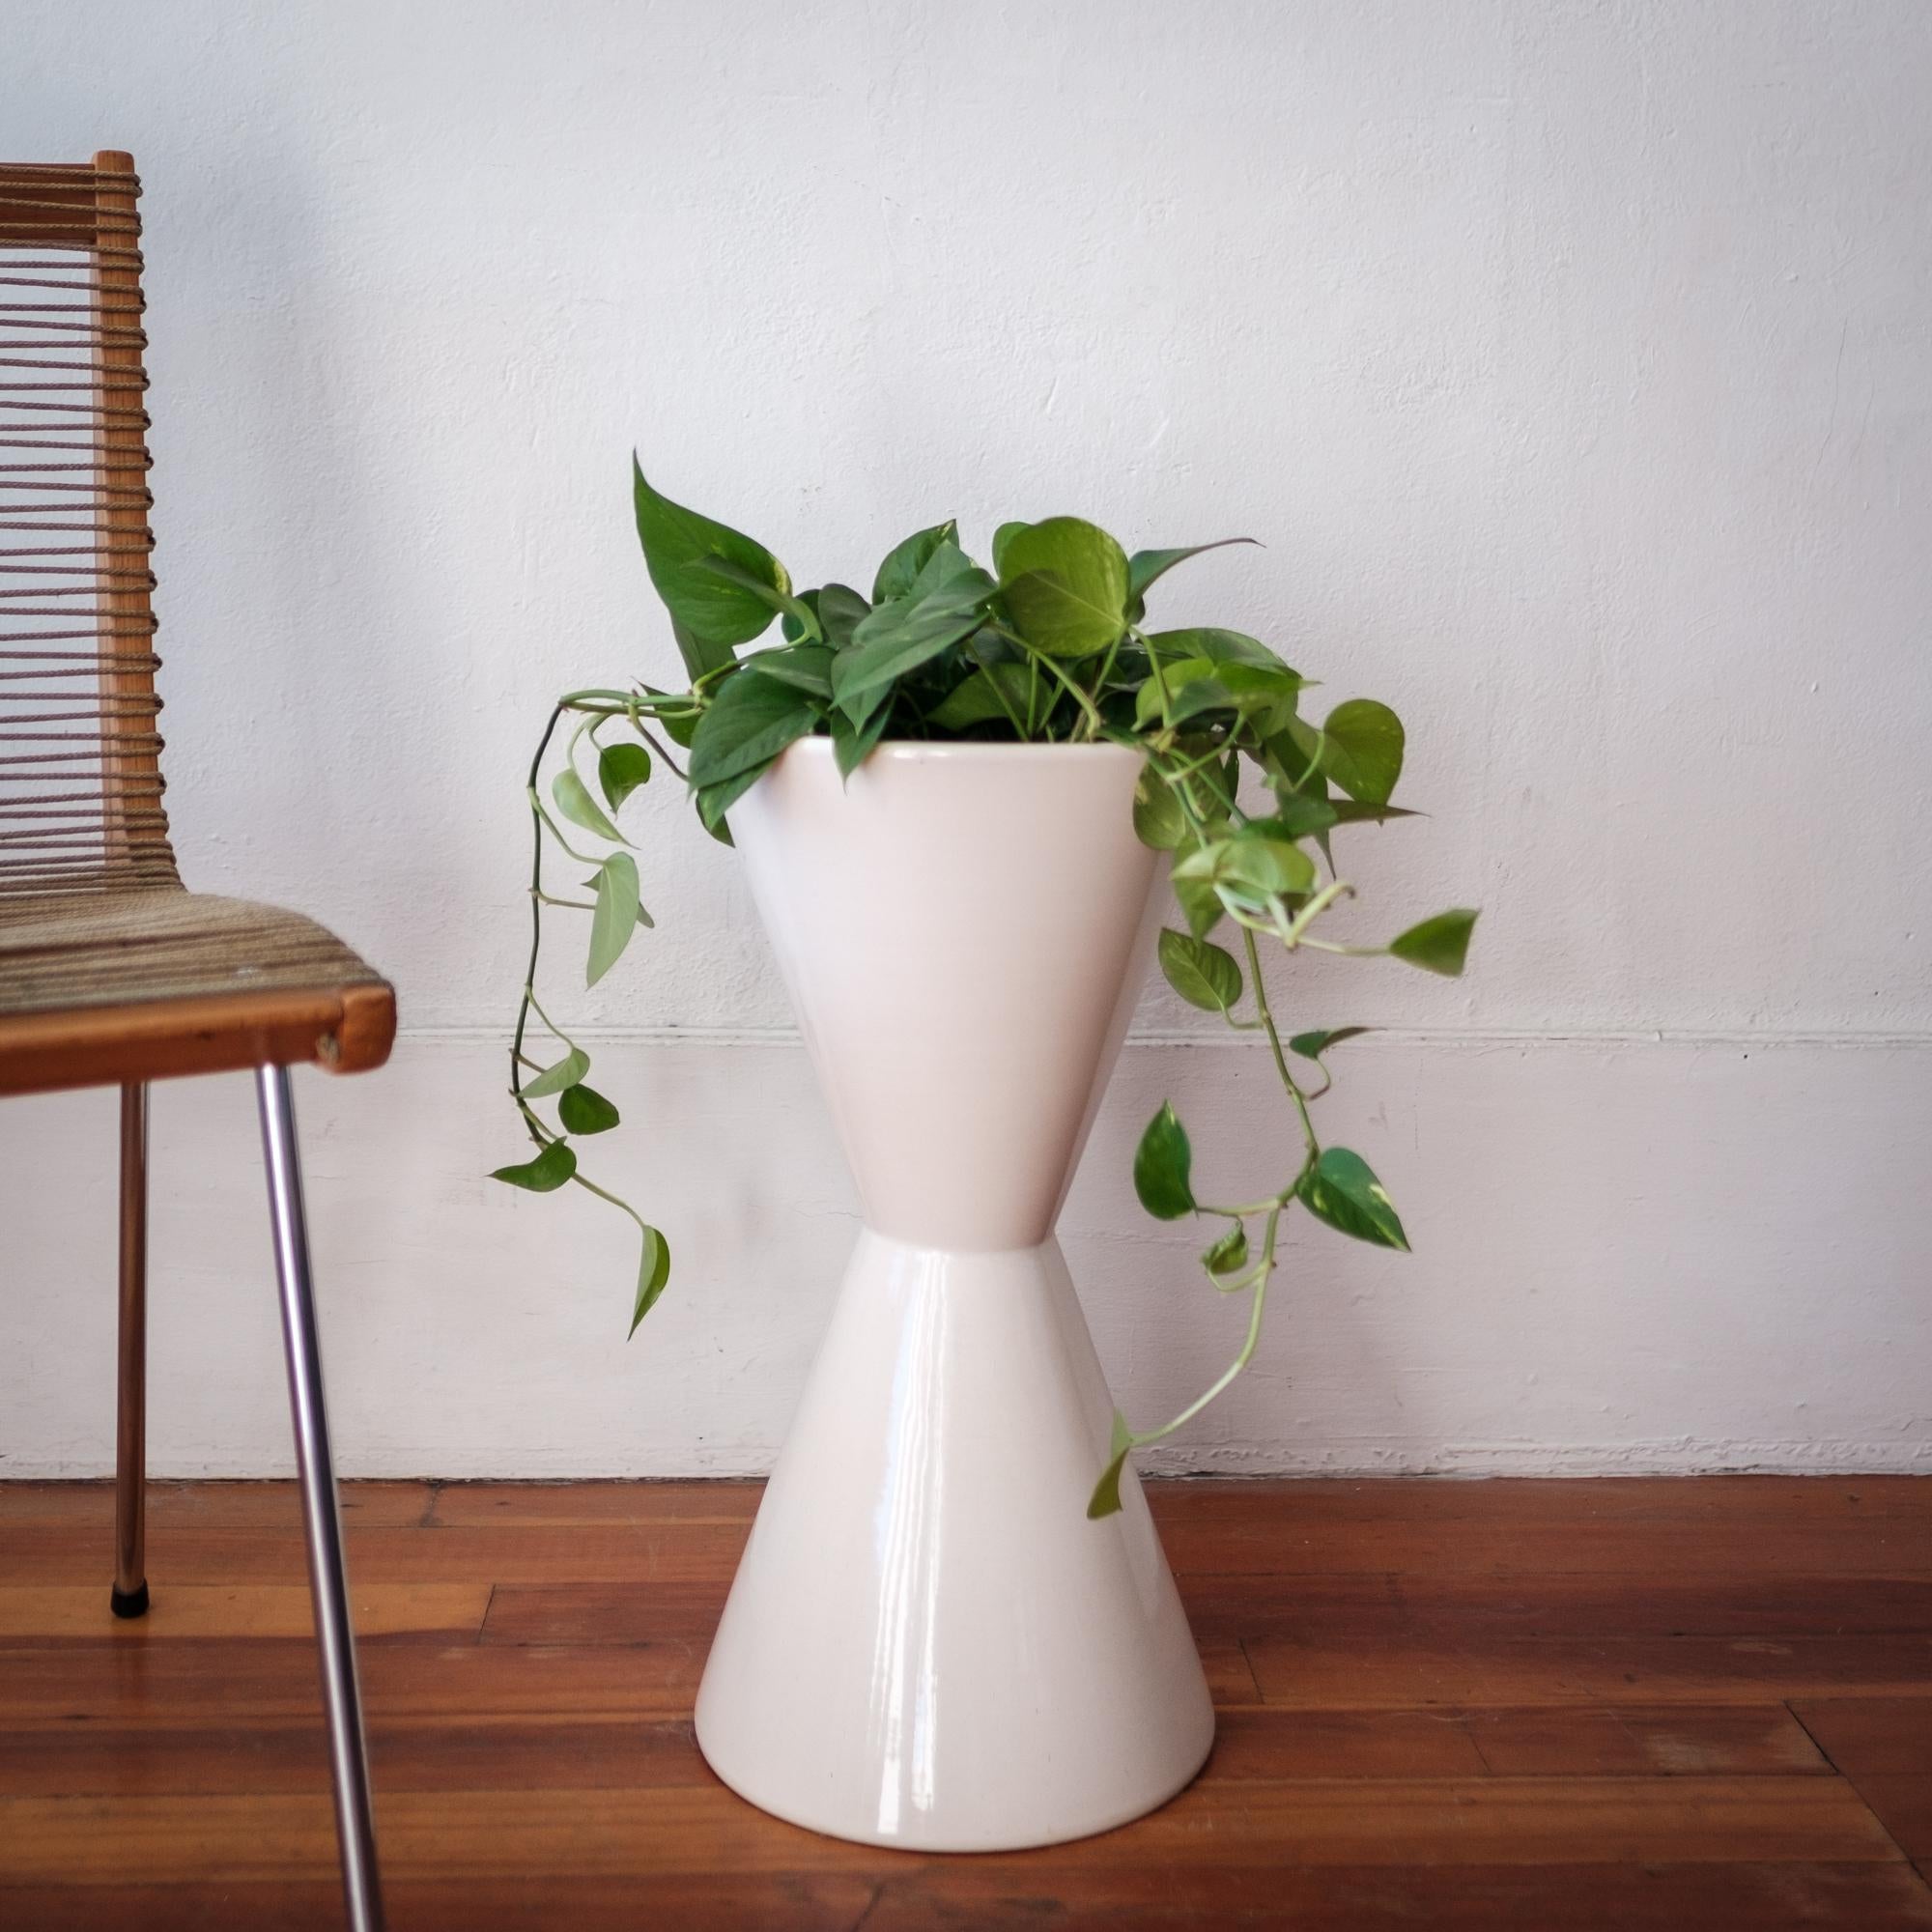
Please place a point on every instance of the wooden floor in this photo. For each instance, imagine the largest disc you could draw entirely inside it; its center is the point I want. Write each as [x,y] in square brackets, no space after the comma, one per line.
[1456,1705]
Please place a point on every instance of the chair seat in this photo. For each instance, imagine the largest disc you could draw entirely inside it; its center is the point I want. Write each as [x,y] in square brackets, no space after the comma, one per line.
[107,986]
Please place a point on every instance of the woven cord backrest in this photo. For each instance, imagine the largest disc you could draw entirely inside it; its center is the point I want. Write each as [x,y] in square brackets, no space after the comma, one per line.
[80,774]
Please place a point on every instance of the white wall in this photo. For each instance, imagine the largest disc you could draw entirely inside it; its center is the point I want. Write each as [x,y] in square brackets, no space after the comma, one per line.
[1573,363]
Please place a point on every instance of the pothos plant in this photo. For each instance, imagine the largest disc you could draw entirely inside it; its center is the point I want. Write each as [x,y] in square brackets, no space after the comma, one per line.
[1051,645]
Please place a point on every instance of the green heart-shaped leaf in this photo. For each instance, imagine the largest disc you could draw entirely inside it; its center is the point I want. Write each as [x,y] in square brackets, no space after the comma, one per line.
[620,770]
[806,667]
[572,799]
[840,612]
[1064,584]
[1342,1189]
[1200,905]
[1185,689]
[947,563]
[544,1175]
[653,1271]
[749,722]
[1146,567]
[1438,944]
[715,801]
[1163,1165]
[1265,695]
[1158,818]
[614,918]
[680,727]
[1363,752]
[1105,1501]
[905,560]
[1200,971]
[994,693]
[1252,860]
[710,614]
[1302,816]
[801,618]
[852,744]
[1229,1255]
[1217,647]
[898,637]
[1313,1045]
[567,1072]
[1001,538]
[584,1110]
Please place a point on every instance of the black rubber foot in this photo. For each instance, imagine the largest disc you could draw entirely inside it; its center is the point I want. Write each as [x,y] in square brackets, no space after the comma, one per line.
[130,1603]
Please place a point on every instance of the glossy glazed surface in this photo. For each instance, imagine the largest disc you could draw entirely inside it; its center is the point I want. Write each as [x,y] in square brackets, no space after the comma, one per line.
[959,927]
[927,1644]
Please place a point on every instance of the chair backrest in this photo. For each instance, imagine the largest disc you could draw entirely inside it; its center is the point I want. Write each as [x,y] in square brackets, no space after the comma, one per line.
[81,775]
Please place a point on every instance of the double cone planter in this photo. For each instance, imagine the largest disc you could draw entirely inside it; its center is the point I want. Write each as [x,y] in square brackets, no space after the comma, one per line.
[929,1645]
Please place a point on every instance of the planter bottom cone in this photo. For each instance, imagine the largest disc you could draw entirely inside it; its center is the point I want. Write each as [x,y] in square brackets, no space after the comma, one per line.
[929,1645]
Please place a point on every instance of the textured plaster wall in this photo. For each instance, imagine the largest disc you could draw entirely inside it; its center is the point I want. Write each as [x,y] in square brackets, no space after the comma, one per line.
[1571,360]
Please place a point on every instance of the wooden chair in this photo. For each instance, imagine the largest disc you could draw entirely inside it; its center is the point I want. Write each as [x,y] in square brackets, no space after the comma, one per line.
[110,970]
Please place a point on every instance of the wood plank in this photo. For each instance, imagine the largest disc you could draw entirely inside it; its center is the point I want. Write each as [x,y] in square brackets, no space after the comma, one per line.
[1704,1527]
[85,1506]
[456,1754]
[989,1894]
[1262,1745]
[1520,1821]
[490,1505]
[54,1552]
[1648,1600]
[1510,1603]
[1883,1745]
[1702,1740]
[41,1614]
[1865,1734]
[697,1550]
[1230,1678]
[1397,1607]
[1721,1549]
[1427,1669]
[1902,1801]
[904,1895]
[1505,1821]
[715,1902]
[603,1613]
[274,1678]
[676,1552]
[1535,1503]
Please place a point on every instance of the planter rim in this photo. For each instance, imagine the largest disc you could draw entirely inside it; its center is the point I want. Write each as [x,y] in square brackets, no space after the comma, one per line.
[924,750]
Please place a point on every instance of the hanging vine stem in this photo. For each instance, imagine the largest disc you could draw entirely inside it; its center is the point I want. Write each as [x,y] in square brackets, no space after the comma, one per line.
[597,706]
[581,1110]
[1232,1249]
[523,1005]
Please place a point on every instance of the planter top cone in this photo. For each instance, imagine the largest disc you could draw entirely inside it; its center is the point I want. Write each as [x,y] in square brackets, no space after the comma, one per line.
[964,930]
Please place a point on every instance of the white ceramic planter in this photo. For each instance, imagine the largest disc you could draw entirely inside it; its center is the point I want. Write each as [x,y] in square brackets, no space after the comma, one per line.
[929,1645]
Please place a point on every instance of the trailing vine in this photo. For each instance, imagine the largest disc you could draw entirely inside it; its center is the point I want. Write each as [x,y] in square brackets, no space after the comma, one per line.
[1048,647]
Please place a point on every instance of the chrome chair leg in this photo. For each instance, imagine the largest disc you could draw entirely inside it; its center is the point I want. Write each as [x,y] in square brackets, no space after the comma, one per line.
[355,1823]
[130,1598]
